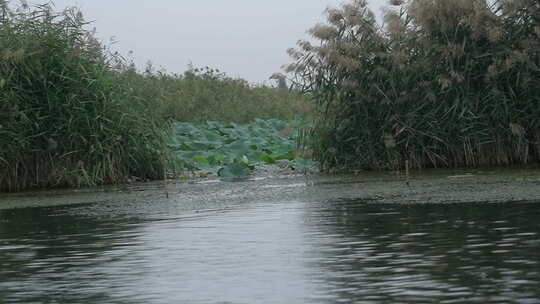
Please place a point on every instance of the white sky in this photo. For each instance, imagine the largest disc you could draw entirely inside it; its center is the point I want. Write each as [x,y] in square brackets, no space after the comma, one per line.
[244,38]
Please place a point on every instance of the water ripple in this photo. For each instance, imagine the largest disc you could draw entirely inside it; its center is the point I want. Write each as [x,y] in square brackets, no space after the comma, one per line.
[272,252]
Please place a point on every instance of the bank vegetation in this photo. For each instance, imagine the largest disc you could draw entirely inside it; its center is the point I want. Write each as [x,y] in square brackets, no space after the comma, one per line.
[439,84]
[73,113]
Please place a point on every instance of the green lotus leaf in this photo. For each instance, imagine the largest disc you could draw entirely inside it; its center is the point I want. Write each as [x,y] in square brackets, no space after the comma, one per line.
[234,170]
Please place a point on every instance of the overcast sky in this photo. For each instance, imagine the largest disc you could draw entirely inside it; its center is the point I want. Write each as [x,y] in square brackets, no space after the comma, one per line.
[244,38]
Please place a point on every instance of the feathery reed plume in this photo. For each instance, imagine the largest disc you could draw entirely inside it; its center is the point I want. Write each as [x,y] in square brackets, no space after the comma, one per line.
[441,84]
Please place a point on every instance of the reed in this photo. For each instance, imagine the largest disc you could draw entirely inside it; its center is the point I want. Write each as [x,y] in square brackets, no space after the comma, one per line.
[439,84]
[202,94]
[67,115]
[74,114]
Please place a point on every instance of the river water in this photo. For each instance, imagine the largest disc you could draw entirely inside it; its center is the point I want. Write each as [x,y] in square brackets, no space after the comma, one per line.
[377,239]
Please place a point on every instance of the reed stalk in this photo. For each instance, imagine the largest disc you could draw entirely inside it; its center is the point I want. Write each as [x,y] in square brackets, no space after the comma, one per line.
[67,116]
[439,84]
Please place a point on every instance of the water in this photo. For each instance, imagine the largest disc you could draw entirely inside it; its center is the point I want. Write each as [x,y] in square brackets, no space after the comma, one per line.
[287,241]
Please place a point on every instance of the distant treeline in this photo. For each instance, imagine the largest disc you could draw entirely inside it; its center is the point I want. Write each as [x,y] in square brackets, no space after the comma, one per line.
[440,84]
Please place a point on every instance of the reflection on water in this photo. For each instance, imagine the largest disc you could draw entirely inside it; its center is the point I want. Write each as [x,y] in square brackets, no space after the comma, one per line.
[301,251]
[50,256]
[483,253]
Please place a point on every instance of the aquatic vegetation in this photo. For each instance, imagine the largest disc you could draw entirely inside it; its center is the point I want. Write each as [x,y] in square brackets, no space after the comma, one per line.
[67,117]
[233,150]
[440,84]
[73,114]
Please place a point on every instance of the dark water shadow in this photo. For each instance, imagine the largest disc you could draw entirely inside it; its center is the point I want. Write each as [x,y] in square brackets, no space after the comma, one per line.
[420,253]
[50,255]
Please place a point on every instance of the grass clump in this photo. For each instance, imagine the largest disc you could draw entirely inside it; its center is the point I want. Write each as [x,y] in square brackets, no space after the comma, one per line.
[68,115]
[440,84]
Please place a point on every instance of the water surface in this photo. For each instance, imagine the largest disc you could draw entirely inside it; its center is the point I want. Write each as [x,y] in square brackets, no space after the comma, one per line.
[292,240]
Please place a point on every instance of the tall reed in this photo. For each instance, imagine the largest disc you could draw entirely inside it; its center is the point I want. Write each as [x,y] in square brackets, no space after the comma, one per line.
[67,116]
[202,94]
[440,84]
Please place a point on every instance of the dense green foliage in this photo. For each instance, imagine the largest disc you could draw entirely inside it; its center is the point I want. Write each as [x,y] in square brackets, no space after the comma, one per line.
[441,84]
[74,114]
[232,150]
[202,94]
[67,116]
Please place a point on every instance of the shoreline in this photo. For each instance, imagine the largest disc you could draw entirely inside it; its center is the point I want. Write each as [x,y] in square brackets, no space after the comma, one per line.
[436,186]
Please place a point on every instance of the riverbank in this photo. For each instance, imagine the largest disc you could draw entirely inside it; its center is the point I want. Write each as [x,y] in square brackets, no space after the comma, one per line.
[74,114]
[439,84]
